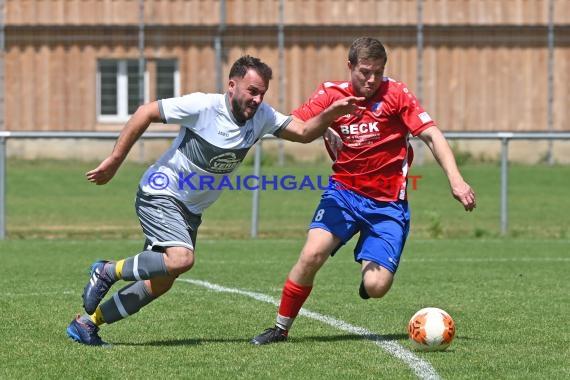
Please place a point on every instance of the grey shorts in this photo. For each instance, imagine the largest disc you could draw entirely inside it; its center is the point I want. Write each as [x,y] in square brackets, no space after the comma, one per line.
[166,222]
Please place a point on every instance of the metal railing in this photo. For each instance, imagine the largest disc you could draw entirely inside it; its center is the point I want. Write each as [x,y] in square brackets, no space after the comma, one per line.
[503,137]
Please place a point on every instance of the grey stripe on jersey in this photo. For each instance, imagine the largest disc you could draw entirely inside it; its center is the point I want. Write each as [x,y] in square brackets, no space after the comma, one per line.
[161,110]
[209,157]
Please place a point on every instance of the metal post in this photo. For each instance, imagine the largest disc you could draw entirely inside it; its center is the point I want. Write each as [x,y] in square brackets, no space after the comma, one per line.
[2,188]
[504,184]
[550,95]
[218,48]
[281,53]
[419,68]
[255,195]
[141,70]
[420,51]
[2,128]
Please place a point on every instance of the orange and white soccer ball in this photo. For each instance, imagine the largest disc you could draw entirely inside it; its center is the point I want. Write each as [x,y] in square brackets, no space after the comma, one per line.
[431,329]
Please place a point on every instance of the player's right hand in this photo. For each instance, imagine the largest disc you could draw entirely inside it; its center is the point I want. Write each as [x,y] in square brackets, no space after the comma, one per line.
[347,106]
[104,172]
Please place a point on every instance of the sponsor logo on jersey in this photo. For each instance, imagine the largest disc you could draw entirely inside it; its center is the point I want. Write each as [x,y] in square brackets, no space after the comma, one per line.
[224,163]
[377,108]
[357,129]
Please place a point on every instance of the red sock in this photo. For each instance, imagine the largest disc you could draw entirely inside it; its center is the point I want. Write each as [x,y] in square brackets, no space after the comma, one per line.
[293,298]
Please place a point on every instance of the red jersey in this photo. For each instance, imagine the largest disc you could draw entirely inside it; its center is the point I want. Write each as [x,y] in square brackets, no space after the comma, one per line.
[374,154]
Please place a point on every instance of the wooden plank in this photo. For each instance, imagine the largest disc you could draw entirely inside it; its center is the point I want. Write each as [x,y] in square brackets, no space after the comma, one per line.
[304,12]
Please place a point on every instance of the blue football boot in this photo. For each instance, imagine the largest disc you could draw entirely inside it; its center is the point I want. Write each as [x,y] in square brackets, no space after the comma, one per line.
[97,286]
[85,333]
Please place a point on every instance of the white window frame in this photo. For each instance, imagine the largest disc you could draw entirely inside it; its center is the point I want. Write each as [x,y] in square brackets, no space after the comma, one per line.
[122,92]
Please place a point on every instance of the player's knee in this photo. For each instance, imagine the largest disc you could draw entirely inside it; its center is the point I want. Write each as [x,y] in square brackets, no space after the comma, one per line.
[185,261]
[311,258]
[378,287]
[179,260]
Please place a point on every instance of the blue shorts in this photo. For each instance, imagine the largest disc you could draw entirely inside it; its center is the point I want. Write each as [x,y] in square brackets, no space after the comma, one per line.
[383,226]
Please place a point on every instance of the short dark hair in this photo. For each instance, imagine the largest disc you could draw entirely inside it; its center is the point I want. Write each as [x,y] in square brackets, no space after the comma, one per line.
[243,64]
[366,48]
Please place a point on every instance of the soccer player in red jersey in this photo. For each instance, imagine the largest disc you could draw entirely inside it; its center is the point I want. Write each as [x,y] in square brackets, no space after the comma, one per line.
[368,191]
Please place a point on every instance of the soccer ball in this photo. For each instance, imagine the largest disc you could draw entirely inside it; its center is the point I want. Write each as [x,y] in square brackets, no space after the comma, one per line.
[431,329]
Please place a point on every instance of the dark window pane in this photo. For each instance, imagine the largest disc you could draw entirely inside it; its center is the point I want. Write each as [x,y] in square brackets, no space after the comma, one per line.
[165,78]
[108,96]
[134,84]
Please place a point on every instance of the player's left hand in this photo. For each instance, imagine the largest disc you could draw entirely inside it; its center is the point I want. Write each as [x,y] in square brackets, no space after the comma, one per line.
[464,194]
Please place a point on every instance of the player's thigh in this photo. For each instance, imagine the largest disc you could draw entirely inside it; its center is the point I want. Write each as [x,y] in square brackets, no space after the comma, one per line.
[166,222]
[335,215]
[320,244]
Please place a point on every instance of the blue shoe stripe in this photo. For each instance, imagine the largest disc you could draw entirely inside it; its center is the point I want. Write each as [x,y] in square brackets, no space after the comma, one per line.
[73,334]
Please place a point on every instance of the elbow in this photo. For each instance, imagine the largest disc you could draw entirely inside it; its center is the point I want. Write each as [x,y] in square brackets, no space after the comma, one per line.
[301,132]
[309,135]
[143,109]
[306,138]
[298,136]
[149,112]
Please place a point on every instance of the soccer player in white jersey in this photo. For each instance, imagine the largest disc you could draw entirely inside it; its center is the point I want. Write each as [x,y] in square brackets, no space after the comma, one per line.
[216,132]
[371,157]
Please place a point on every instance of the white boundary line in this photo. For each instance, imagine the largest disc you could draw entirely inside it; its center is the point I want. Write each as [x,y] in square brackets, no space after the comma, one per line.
[421,368]
[37,294]
[486,260]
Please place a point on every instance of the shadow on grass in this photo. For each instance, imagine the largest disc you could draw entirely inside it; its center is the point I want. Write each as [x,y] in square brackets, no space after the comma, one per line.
[348,337]
[328,338]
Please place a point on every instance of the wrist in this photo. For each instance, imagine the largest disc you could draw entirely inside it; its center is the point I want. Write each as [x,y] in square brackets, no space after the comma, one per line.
[117,158]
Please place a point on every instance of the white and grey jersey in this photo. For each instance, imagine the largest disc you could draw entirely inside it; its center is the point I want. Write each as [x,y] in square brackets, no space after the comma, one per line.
[211,143]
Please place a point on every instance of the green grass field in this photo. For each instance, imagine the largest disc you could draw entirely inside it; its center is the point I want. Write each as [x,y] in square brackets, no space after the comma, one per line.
[53,200]
[508,296]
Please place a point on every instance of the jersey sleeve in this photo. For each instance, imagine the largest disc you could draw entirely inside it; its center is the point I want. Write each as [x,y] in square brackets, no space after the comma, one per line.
[182,110]
[274,121]
[411,112]
[319,101]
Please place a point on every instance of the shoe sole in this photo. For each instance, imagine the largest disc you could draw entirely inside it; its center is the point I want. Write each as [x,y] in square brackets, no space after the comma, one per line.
[258,343]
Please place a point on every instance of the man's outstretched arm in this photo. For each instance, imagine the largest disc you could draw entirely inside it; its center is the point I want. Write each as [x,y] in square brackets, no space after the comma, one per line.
[442,152]
[132,131]
[307,131]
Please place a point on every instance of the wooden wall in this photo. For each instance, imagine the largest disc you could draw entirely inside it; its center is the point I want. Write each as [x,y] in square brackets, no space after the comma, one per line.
[305,12]
[484,61]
